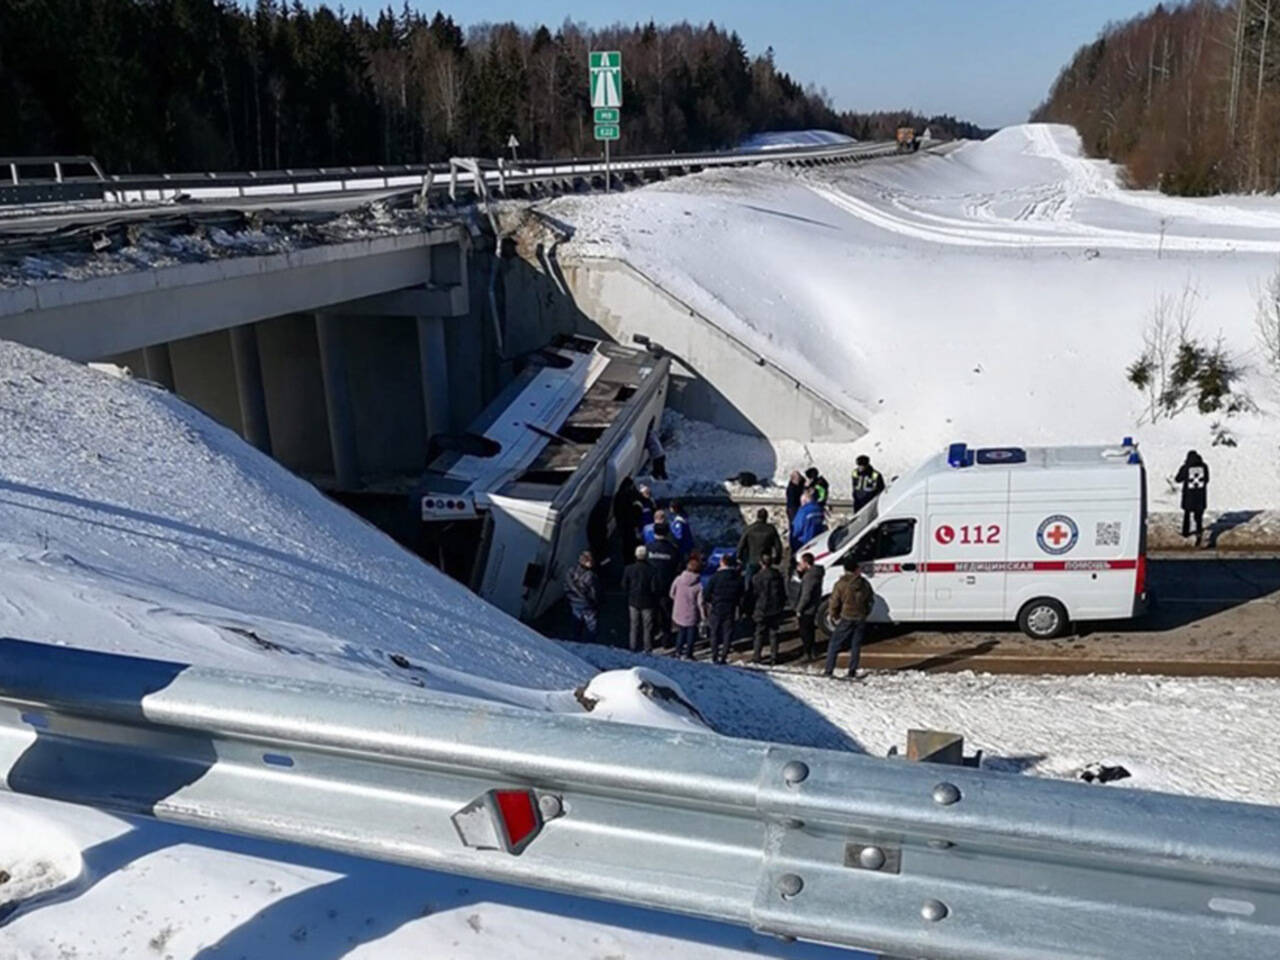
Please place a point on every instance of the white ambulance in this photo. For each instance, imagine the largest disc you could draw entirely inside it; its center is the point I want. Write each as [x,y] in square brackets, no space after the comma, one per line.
[1039,536]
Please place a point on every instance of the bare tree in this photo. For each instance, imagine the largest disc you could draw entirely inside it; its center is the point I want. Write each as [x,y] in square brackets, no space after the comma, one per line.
[1267,321]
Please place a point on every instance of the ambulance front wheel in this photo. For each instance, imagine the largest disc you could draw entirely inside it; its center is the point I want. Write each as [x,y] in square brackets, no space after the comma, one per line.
[822,619]
[1043,619]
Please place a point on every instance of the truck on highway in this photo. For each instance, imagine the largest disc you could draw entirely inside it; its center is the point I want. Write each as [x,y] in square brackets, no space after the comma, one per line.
[1039,536]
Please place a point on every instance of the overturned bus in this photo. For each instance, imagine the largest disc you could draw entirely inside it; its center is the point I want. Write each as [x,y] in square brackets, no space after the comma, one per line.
[507,506]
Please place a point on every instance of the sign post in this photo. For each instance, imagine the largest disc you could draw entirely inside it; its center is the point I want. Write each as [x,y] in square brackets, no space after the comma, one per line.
[606,99]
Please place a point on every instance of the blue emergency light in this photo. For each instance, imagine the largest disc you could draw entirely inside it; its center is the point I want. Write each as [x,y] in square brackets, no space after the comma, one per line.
[958,455]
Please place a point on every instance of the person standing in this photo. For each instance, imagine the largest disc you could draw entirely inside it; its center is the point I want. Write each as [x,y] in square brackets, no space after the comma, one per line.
[811,581]
[769,595]
[809,521]
[795,489]
[681,531]
[649,533]
[868,483]
[641,587]
[664,558]
[818,486]
[1194,477]
[850,606]
[626,517]
[723,599]
[686,607]
[757,539]
[657,455]
[582,590]
[647,504]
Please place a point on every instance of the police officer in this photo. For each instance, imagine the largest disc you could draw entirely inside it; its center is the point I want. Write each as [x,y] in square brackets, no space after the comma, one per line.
[867,483]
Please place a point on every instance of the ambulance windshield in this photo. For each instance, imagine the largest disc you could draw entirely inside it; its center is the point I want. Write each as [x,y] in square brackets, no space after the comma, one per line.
[857,523]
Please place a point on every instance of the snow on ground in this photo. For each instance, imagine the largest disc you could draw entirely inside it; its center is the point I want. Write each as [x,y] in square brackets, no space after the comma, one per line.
[994,294]
[783,139]
[1203,736]
[131,522]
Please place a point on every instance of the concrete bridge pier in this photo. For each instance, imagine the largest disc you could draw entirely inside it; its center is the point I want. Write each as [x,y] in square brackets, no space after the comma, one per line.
[247,365]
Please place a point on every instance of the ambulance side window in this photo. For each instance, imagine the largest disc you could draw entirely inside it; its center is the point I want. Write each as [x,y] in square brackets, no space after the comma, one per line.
[893,538]
[897,538]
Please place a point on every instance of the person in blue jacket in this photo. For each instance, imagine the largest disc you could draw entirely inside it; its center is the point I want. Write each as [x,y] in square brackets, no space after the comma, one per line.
[681,531]
[809,522]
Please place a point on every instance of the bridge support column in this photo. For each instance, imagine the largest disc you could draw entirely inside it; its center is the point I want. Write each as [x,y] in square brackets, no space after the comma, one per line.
[249,389]
[159,367]
[433,360]
[337,401]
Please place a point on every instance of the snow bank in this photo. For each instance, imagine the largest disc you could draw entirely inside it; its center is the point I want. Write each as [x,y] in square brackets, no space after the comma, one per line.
[131,522]
[1202,736]
[784,139]
[994,294]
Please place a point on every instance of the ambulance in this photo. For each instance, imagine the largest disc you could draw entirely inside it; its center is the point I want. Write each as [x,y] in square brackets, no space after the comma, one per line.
[1038,536]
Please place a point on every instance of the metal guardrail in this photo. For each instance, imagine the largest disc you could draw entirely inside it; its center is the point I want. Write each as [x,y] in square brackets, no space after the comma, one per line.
[434,178]
[909,859]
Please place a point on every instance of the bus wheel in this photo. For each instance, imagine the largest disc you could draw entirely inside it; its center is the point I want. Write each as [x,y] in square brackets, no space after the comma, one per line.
[1043,619]
[822,619]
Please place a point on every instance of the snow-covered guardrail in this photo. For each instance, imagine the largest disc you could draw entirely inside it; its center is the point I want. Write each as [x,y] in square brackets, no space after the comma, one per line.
[910,859]
[435,178]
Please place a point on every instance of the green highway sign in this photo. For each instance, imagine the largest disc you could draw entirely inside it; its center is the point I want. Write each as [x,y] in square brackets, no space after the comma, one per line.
[606,78]
[607,131]
[608,115]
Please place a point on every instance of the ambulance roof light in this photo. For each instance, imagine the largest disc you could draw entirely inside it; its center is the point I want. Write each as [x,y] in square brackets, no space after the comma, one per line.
[1128,442]
[958,456]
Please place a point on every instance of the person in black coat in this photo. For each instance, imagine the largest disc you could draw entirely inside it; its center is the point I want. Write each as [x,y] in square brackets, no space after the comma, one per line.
[626,517]
[723,598]
[795,489]
[769,602]
[812,578]
[640,583]
[664,557]
[1194,477]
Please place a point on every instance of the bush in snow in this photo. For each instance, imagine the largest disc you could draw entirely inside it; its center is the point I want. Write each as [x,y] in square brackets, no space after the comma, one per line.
[1177,370]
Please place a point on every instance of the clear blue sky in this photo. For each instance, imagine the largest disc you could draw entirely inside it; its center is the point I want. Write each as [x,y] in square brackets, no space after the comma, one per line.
[990,61]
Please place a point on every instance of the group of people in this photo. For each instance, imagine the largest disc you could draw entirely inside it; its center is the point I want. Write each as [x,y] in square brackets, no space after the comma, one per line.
[671,602]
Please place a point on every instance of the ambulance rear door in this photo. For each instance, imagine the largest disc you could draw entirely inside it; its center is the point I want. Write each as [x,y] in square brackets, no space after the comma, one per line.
[966,538]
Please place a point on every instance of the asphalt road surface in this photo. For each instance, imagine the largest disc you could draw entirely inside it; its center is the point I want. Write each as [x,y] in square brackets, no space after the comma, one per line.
[1212,614]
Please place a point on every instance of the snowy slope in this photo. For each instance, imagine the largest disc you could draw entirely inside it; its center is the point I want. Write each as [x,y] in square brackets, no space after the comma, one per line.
[783,139]
[994,294]
[131,522]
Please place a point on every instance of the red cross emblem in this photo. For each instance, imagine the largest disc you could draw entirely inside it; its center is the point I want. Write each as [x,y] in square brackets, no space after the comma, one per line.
[1057,533]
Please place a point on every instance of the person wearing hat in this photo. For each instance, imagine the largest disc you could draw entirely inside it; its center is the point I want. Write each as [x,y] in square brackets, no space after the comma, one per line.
[818,486]
[582,590]
[849,607]
[868,483]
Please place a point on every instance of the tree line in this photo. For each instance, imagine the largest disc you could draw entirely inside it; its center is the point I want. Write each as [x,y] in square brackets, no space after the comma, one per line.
[154,85]
[1187,97]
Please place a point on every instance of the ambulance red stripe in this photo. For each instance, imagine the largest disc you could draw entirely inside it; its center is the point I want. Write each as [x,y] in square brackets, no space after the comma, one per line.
[1008,566]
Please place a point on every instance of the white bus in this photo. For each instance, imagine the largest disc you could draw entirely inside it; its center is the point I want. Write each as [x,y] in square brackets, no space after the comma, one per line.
[505,507]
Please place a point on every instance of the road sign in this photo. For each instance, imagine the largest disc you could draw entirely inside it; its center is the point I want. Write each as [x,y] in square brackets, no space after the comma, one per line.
[607,131]
[606,78]
[607,115]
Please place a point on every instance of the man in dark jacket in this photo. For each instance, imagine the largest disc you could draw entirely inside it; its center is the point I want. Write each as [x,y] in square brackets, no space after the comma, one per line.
[795,488]
[723,598]
[867,483]
[582,590]
[641,586]
[818,486]
[1194,477]
[769,598]
[850,605]
[758,539]
[664,557]
[811,579]
[626,517]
